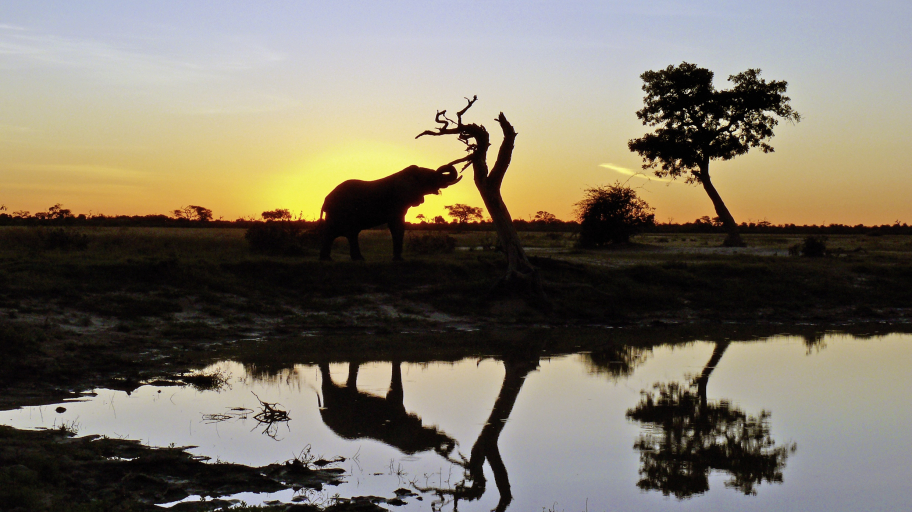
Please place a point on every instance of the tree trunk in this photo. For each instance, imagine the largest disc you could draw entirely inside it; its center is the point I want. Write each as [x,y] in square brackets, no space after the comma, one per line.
[521,275]
[728,222]
[519,270]
[703,380]
[485,446]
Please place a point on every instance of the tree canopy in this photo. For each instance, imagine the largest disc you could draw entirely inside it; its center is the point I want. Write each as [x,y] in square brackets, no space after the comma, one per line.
[695,123]
[464,213]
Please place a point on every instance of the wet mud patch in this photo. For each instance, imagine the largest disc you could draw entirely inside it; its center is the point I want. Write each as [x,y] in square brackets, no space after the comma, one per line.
[54,470]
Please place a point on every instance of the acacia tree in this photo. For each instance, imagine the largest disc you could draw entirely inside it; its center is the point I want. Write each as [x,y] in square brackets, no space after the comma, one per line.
[477,140]
[193,212]
[695,123]
[464,213]
[277,214]
[545,217]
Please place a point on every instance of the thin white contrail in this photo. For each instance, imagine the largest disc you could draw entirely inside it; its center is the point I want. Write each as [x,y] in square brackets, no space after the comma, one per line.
[630,172]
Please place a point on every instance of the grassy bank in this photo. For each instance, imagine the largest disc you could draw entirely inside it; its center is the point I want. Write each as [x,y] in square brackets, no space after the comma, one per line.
[195,282]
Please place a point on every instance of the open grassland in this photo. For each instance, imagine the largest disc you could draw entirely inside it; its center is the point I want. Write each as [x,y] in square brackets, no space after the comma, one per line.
[127,278]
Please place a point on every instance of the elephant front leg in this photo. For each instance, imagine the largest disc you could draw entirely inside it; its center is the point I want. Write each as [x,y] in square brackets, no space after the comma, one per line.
[353,248]
[397,229]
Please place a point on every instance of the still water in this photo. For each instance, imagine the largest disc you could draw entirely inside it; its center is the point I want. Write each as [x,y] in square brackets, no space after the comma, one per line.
[771,424]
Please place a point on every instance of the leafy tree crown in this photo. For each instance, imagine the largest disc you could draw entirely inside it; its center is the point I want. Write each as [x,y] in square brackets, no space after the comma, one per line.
[695,123]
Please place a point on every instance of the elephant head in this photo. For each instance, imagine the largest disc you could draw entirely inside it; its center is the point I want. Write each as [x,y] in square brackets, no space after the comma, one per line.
[424,181]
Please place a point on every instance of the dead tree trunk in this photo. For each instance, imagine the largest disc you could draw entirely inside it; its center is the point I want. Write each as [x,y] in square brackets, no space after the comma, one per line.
[520,272]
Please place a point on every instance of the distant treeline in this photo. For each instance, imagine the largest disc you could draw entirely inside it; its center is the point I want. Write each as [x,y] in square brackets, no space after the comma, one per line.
[703,225]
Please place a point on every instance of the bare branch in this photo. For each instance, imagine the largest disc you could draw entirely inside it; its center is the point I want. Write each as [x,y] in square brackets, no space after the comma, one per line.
[467,159]
[505,155]
[467,107]
[445,121]
[440,131]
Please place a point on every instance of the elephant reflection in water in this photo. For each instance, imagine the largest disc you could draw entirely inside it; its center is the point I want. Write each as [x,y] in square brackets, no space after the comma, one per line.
[353,415]
[688,436]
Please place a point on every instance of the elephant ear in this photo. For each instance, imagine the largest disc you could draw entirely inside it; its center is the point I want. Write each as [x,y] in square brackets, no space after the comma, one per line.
[409,190]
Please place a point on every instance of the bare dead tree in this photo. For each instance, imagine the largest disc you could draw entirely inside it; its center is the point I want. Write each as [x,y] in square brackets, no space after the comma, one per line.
[520,273]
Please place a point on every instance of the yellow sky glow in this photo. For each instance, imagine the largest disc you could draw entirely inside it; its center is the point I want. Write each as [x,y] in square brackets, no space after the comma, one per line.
[139,108]
[632,173]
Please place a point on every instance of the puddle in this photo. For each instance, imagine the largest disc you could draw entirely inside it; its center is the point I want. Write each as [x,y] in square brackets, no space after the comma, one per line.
[764,425]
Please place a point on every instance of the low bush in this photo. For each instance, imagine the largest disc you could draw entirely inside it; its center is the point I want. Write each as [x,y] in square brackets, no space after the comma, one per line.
[64,239]
[37,239]
[611,215]
[281,238]
[811,247]
[431,243]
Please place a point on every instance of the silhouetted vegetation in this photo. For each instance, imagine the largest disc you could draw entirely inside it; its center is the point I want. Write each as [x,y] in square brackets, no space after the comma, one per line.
[463,213]
[810,247]
[687,438]
[695,124]
[431,243]
[519,273]
[193,213]
[546,222]
[281,238]
[611,214]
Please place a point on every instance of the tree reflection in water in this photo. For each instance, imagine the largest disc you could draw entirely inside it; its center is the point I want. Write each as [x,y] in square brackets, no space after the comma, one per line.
[473,484]
[689,436]
[616,362]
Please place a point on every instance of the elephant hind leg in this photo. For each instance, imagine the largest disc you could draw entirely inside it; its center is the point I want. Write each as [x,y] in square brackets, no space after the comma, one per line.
[353,248]
[326,248]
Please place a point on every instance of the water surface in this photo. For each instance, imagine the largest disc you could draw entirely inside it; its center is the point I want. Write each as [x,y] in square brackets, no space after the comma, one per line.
[772,424]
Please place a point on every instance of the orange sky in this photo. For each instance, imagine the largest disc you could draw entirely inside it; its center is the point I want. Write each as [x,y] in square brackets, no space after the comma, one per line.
[140,108]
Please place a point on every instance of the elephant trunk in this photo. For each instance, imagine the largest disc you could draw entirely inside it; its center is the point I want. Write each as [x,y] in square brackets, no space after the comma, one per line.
[448,176]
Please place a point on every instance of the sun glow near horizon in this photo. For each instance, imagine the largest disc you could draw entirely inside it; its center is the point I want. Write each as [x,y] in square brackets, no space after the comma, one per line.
[304,185]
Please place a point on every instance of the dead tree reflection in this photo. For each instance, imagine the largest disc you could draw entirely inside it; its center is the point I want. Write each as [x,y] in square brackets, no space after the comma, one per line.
[269,417]
[473,485]
[354,415]
[688,436]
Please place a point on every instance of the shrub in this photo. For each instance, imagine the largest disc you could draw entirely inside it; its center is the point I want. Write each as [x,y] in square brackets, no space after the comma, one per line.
[431,243]
[611,214]
[280,238]
[64,239]
[34,240]
[811,247]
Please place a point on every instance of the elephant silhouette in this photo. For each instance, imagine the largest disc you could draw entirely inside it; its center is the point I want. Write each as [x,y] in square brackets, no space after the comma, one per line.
[352,414]
[356,205]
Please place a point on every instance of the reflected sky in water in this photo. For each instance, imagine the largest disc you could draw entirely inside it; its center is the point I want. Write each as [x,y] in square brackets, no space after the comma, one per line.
[569,442]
